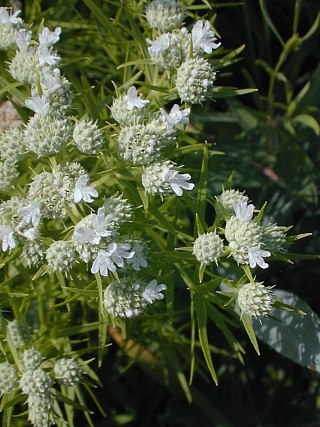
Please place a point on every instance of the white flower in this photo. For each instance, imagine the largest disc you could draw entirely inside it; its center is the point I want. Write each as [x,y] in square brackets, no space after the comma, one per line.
[138,260]
[103,224]
[243,211]
[7,237]
[38,104]
[31,214]
[82,191]
[159,45]
[134,100]
[83,233]
[256,255]
[175,117]
[29,234]
[153,292]
[50,79]
[47,55]
[7,17]
[49,38]
[23,38]
[203,38]
[178,182]
[107,260]
[94,226]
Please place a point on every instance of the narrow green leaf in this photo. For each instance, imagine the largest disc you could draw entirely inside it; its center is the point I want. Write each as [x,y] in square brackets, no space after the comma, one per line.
[247,323]
[202,188]
[313,28]
[269,21]
[201,312]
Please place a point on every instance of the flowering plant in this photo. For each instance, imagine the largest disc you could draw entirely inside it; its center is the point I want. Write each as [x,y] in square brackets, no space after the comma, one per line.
[101,225]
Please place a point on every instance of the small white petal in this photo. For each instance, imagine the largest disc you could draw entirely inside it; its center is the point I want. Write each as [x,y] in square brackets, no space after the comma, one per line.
[23,38]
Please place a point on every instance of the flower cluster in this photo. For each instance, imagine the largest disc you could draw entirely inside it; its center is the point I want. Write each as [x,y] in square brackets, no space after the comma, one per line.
[171,50]
[72,224]
[243,237]
[59,188]
[247,241]
[143,138]
[37,383]
[34,375]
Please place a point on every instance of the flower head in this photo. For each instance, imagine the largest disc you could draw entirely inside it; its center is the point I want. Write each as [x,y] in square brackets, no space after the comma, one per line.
[207,248]
[255,299]
[61,256]
[67,371]
[127,298]
[87,136]
[162,178]
[31,359]
[165,15]
[194,80]
[228,199]
[169,50]
[8,378]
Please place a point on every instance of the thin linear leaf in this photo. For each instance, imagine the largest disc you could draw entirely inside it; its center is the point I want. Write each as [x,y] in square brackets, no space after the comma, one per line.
[201,312]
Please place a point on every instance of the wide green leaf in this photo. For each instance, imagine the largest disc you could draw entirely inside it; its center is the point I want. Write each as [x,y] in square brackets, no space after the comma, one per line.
[295,336]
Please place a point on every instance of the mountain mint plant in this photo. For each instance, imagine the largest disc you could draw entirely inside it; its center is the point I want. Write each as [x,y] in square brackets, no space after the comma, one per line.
[98,210]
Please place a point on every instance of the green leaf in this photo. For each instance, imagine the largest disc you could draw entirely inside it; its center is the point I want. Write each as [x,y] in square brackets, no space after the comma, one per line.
[227,91]
[269,22]
[308,121]
[202,188]
[313,28]
[295,336]
[247,323]
[201,311]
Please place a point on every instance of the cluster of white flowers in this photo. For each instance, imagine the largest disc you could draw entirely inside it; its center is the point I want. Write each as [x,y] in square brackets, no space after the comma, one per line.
[143,137]
[56,187]
[172,50]
[247,241]
[31,376]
